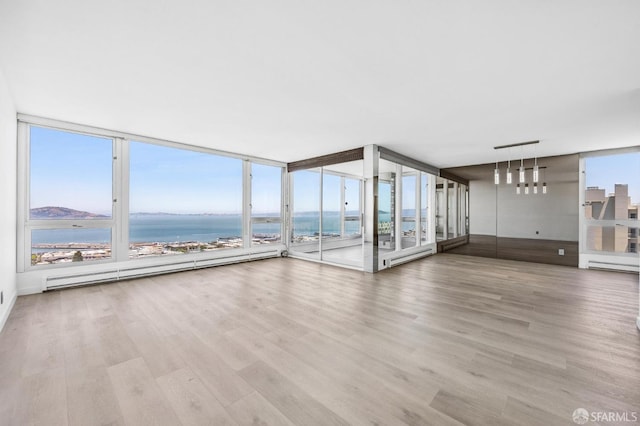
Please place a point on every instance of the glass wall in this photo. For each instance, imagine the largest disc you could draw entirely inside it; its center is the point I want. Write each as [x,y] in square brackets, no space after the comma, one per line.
[406,198]
[327,213]
[97,198]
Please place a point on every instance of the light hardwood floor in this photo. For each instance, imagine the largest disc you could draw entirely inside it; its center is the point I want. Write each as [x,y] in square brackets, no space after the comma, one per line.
[448,340]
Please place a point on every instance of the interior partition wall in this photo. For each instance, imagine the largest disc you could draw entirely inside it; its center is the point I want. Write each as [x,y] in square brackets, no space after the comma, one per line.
[368,214]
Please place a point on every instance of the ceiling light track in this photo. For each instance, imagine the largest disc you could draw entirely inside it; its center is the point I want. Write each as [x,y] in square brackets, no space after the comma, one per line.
[516,144]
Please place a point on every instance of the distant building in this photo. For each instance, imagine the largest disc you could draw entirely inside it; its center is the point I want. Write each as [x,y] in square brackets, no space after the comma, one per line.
[618,238]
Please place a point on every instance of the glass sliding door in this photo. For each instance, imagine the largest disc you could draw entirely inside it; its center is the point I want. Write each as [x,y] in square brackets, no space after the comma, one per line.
[342,238]
[352,222]
[266,204]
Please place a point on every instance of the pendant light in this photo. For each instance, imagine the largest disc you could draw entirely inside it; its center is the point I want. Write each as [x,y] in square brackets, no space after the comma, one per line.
[496,175]
[509,175]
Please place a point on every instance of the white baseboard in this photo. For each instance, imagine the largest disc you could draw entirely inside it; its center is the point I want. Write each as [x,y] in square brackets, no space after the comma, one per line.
[6,314]
[638,322]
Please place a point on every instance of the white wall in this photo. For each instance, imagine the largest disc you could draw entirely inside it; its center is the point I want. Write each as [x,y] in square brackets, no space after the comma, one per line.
[8,160]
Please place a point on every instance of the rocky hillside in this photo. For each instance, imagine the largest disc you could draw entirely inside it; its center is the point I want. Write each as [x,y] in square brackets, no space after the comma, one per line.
[61,213]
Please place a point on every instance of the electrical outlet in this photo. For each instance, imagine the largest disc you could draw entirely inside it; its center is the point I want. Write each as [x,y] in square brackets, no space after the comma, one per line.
[561,252]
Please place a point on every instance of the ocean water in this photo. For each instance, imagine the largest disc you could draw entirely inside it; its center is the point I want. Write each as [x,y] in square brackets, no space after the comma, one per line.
[202,228]
[182,228]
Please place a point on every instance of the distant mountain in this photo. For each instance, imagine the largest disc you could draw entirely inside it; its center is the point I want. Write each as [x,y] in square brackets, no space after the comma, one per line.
[62,213]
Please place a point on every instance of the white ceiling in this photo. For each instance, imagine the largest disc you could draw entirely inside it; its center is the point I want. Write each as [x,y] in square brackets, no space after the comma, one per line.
[441,81]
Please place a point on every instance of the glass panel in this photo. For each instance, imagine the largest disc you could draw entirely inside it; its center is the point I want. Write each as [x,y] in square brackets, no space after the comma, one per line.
[611,203]
[386,225]
[306,212]
[70,175]
[612,238]
[386,206]
[332,212]
[266,201]
[352,211]
[424,203]
[183,201]
[409,209]
[52,246]
[341,234]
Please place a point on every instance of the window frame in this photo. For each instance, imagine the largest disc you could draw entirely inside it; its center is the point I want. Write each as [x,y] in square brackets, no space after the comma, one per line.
[118,223]
[614,260]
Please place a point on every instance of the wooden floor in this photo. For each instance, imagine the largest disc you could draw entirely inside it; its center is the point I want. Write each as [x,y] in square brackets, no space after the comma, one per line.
[449,339]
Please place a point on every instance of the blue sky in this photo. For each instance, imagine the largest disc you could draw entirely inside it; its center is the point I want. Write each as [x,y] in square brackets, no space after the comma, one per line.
[306,189]
[70,170]
[606,171]
[75,171]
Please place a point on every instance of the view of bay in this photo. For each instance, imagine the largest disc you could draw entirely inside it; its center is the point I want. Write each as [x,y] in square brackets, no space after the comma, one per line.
[182,228]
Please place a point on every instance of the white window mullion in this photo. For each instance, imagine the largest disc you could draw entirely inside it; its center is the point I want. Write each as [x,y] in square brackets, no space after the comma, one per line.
[23,237]
[121,204]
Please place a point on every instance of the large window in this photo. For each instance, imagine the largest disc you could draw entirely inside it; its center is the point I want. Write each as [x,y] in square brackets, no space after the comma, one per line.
[612,201]
[70,204]
[183,201]
[93,195]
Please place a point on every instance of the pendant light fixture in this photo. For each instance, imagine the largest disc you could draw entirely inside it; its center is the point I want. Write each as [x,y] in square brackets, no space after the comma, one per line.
[522,185]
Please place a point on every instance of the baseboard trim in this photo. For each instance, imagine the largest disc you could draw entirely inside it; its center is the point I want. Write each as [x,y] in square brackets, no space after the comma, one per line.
[5,317]
[638,322]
